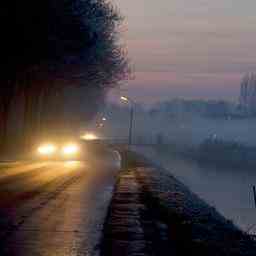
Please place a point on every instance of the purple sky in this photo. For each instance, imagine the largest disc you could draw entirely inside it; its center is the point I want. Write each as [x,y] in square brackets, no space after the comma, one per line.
[191,49]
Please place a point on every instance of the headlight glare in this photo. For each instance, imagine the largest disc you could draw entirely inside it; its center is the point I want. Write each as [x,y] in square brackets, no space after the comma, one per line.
[70,149]
[46,149]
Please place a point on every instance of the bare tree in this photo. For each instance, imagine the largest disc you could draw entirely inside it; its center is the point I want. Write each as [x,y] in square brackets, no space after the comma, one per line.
[248,93]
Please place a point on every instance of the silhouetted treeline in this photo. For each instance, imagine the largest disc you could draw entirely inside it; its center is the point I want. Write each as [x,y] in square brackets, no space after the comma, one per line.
[49,47]
[204,108]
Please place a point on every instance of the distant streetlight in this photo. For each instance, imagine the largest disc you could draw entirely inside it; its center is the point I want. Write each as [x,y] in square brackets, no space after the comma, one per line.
[131,102]
[101,122]
[123,98]
[89,136]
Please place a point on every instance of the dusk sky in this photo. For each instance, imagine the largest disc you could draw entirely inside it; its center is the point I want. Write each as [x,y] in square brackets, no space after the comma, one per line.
[189,48]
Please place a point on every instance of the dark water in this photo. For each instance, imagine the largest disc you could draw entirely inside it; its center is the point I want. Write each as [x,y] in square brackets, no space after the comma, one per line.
[229,191]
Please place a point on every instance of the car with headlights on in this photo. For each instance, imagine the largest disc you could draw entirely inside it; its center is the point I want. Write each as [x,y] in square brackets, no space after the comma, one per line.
[59,151]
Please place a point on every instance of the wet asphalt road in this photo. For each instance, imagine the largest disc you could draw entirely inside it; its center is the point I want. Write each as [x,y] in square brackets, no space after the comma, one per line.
[53,208]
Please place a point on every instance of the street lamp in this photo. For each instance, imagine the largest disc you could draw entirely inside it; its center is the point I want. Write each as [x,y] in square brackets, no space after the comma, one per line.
[123,98]
[129,101]
[101,122]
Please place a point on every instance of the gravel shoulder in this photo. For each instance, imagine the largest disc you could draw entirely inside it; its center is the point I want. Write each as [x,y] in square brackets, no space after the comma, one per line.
[152,213]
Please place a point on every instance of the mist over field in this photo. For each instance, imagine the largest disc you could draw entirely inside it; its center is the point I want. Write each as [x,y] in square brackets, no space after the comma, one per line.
[160,132]
[181,128]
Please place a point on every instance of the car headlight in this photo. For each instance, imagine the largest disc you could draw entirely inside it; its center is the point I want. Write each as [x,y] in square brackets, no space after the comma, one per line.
[89,136]
[47,149]
[70,149]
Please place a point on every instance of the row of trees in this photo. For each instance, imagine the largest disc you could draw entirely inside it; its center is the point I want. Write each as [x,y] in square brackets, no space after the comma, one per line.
[206,108]
[51,47]
[214,108]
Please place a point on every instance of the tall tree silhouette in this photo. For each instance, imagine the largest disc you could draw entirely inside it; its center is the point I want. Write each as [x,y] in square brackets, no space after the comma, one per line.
[48,46]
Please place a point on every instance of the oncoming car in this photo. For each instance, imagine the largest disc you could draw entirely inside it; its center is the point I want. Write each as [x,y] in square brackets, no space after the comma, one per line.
[59,151]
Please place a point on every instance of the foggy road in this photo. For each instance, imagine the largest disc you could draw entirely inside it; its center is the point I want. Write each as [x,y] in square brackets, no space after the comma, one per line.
[53,208]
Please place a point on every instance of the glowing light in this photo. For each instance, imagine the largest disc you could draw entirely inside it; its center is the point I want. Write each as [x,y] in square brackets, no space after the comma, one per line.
[89,136]
[104,119]
[47,149]
[123,98]
[70,149]
[72,164]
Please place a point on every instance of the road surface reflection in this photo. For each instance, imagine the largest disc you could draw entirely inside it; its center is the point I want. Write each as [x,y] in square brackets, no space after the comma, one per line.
[53,208]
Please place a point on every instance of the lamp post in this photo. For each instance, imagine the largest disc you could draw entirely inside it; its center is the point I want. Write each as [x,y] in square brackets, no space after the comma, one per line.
[129,101]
